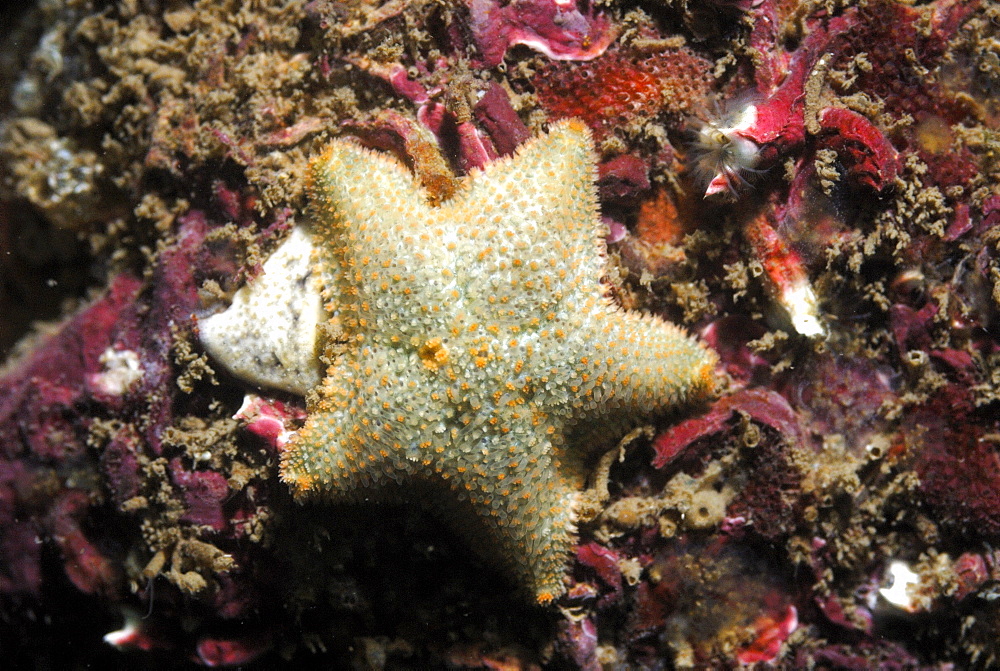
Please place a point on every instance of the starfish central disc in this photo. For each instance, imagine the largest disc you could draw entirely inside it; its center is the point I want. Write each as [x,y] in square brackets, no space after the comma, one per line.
[480,338]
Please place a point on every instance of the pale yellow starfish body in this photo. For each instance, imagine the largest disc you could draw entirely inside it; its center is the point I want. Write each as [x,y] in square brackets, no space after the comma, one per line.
[481,348]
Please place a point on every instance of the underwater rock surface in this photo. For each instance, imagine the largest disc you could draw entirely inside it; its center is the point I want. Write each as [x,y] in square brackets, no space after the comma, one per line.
[813,189]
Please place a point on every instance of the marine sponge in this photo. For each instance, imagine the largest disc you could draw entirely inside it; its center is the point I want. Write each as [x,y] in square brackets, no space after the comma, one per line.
[620,88]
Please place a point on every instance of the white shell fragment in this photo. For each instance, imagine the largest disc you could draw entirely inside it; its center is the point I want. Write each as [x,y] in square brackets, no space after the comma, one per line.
[801,304]
[268,335]
[900,578]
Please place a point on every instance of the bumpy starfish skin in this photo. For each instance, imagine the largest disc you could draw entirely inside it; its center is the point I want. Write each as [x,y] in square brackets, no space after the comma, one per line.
[480,338]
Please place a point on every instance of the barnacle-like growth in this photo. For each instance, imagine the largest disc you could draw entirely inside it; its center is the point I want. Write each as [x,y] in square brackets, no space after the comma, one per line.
[722,158]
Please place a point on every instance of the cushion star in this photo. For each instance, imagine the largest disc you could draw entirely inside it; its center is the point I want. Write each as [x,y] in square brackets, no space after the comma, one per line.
[480,344]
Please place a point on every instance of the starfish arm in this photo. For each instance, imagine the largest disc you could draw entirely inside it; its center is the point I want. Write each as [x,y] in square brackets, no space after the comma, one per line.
[352,186]
[546,191]
[349,444]
[315,458]
[365,429]
[509,502]
[513,503]
[528,234]
[641,364]
[380,242]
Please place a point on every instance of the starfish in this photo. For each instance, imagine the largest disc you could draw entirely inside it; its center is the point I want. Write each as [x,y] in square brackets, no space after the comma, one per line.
[478,344]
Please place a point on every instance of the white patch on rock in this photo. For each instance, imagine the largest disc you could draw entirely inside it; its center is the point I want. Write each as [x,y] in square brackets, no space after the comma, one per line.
[900,580]
[121,371]
[268,335]
[801,304]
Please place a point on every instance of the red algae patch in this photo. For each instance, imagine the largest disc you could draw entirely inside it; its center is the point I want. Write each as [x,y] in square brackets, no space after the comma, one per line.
[623,88]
